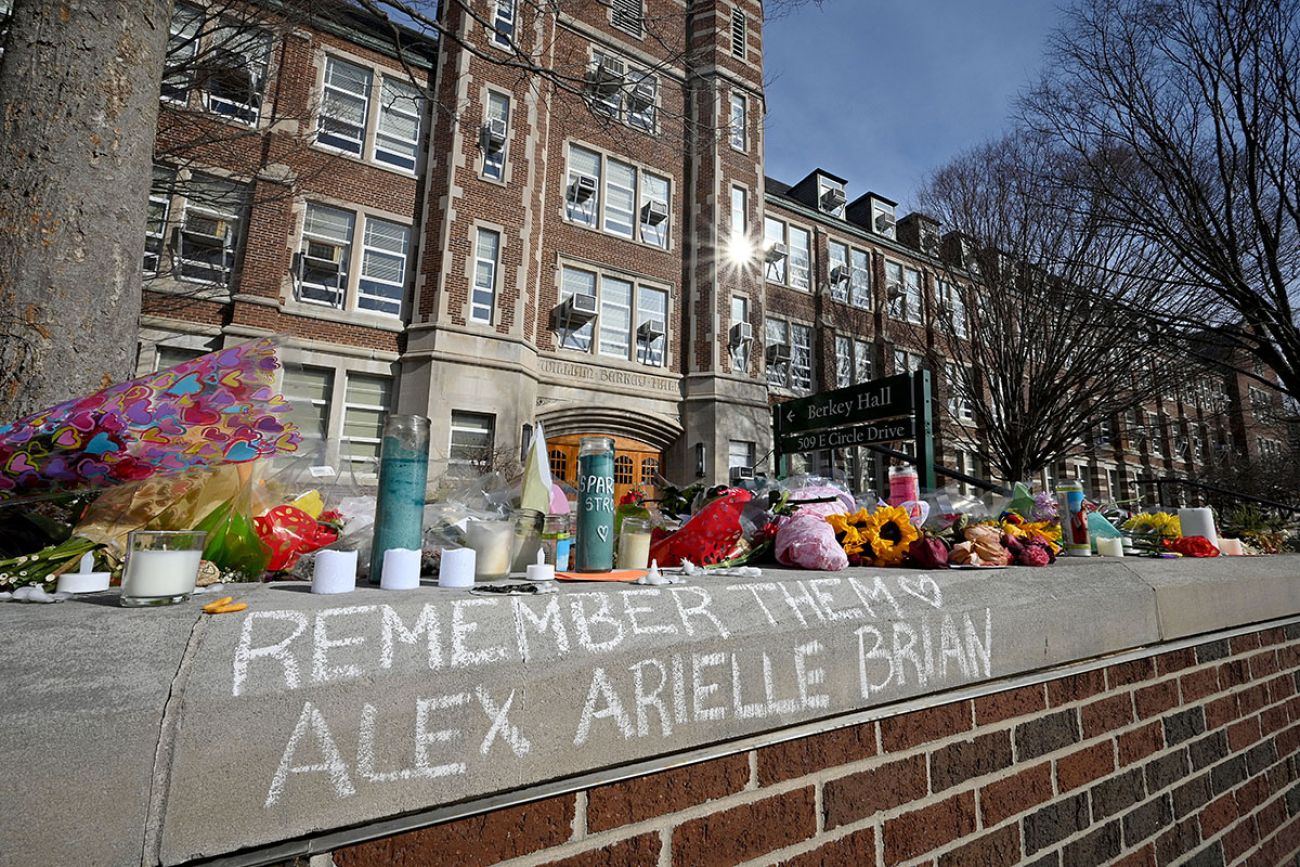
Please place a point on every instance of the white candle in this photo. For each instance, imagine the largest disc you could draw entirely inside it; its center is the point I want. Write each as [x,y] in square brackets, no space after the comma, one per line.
[401,569]
[335,572]
[83,581]
[1231,548]
[1110,546]
[457,568]
[491,541]
[633,550]
[160,573]
[1198,522]
[541,570]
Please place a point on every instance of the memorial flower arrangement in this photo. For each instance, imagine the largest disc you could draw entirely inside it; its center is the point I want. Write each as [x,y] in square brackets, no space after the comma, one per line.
[879,538]
[1159,524]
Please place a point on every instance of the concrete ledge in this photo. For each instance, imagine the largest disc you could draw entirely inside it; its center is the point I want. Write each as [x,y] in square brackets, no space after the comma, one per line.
[308,714]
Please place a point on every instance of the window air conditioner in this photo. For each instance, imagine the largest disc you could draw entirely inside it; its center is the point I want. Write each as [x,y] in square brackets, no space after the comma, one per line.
[832,200]
[654,213]
[775,252]
[839,274]
[741,474]
[575,311]
[582,189]
[778,353]
[650,330]
[320,252]
[894,290]
[203,227]
[642,95]
[885,223]
[492,137]
[742,332]
[605,78]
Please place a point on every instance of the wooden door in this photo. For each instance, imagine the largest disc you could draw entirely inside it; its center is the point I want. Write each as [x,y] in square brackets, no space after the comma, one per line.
[636,464]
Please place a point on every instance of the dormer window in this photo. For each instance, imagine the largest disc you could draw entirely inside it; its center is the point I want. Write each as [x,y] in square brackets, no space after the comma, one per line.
[882,218]
[627,15]
[830,196]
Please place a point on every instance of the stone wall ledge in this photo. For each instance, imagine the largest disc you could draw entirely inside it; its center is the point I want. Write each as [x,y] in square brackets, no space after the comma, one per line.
[168,737]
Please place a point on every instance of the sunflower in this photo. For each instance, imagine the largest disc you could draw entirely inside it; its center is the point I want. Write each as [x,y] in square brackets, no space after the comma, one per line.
[890,532]
[848,532]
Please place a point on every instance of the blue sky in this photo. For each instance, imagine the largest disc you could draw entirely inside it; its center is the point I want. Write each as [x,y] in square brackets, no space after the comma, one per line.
[881,92]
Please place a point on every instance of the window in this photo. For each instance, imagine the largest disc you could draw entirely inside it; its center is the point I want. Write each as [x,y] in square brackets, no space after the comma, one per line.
[838,260]
[483,301]
[801,377]
[649,469]
[852,361]
[622,91]
[1112,484]
[494,155]
[627,15]
[774,242]
[616,211]
[384,249]
[739,210]
[800,258]
[740,453]
[503,23]
[907,362]
[1259,398]
[624,470]
[620,198]
[167,357]
[952,307]
[559,464]
[862,361]
[345,104]
[860,279]
[633,319]
[739,350]
[776,334]
[308,390]
[473,439]
[325,255]
[160,200]
[959,405]
[397,138]
[365,406]
[895,294]
[738,33]
[1269,449]
[739,121]
[182,47]
[232,70]
[1157,439]
[324,261]
[206,241]
[913,299]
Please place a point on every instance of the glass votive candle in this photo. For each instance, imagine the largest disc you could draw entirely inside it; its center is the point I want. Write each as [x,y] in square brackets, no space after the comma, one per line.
[1110,546]
[634,543]
[161,566]
[529,524]
[492,542]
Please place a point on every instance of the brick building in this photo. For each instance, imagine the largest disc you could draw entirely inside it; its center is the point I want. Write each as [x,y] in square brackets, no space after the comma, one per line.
[597,249]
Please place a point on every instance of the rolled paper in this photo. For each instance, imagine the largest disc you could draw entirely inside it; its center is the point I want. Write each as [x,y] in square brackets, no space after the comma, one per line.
[401,569]
[1198,522]
[541,570]
[335,572]
[1227,547]
[457,568]
[1110,546]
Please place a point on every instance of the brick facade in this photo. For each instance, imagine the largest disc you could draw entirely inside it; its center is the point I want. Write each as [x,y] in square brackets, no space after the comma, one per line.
[1188,755]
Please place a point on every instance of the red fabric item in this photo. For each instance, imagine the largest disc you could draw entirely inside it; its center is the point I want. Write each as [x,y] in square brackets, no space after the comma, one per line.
[1192,546]
[709,536]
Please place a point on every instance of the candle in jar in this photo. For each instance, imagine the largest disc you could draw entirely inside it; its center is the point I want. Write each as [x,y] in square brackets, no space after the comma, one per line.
[634,544]
[160,573]
[492,542]
[1110,546]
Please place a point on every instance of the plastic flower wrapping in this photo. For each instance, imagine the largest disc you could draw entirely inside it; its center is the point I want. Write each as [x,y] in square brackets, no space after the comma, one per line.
[216,409]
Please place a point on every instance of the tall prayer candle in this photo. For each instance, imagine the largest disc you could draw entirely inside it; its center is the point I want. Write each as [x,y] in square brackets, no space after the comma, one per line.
[594,547]
[403,474]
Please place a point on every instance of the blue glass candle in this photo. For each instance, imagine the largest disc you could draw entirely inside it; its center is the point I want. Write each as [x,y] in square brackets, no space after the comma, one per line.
[403,475]
[593,547]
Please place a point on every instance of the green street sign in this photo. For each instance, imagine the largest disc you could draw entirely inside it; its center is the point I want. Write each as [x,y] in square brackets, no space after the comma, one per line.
[880,398]
[842,438]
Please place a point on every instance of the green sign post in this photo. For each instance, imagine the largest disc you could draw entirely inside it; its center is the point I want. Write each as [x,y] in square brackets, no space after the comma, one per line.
[897,407]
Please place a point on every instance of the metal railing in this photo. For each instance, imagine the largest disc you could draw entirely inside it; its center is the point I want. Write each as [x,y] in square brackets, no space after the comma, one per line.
[1214,495]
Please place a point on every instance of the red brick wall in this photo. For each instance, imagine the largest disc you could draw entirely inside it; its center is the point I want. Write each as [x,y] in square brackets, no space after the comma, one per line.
[1191,753]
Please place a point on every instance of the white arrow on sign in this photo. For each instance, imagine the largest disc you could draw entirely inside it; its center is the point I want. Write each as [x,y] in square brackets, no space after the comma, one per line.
[789,416]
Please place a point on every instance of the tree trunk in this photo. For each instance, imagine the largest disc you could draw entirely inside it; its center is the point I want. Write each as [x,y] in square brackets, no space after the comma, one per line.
[79,85]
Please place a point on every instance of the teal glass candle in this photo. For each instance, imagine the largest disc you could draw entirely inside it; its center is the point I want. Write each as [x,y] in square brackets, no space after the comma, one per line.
[593,545]
[403,475]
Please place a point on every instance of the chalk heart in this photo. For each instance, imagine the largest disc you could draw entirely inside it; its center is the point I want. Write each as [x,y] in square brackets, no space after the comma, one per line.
[924,588]
[603,532]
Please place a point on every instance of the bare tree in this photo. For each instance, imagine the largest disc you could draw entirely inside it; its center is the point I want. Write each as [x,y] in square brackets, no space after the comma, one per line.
[1042,326]
[78,106]
[1185,116]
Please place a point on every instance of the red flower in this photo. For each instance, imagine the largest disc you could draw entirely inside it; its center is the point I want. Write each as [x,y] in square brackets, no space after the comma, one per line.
[1033,555]
[1192,546]
[928,552]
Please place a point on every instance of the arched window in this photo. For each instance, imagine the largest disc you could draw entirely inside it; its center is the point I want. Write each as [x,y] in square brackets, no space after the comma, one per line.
[559,464]
[649,469]
[622,470]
